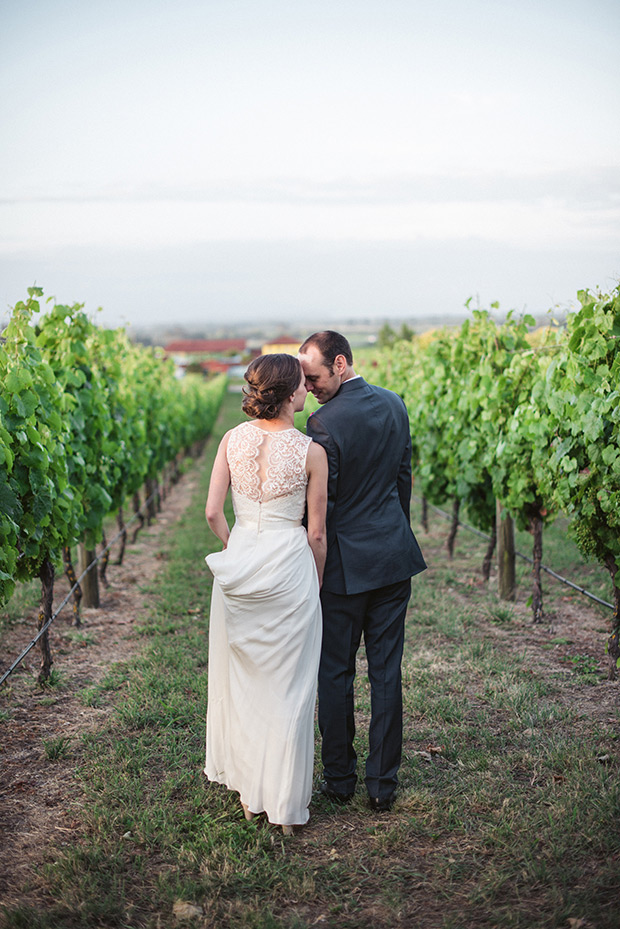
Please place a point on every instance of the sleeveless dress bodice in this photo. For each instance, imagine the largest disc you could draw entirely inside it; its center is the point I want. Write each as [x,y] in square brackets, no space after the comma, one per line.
[268,476]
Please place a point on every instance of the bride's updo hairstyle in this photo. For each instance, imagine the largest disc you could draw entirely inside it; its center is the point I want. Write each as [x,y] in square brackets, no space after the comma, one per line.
[271,380]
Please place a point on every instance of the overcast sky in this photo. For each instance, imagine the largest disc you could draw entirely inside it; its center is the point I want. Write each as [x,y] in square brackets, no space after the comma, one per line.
[238,160]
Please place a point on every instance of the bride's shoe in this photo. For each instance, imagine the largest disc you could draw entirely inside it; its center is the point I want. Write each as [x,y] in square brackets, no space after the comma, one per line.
[248,815]
[290,830]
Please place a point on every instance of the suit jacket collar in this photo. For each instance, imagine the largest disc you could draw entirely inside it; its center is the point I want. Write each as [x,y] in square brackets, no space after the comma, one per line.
[352,384]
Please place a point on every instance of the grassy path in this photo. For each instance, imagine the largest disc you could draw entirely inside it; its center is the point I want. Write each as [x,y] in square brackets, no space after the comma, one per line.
[507,816]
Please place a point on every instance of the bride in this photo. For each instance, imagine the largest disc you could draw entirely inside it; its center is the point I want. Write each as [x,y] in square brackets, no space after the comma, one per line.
[265,626]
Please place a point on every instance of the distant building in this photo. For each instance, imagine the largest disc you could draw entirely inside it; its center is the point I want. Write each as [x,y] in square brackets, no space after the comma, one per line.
[285,345]
[211,355]
[214,366]
[237,370]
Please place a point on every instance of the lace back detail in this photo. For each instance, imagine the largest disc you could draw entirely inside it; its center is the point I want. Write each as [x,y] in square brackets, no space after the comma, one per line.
[267,465]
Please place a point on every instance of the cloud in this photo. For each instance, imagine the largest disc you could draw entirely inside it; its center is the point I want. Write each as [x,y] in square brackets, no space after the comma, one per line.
[563,212]
[593,188]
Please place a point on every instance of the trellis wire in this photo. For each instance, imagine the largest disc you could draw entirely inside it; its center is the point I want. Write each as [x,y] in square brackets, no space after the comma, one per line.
[95,561]
[543,567]
[441,512]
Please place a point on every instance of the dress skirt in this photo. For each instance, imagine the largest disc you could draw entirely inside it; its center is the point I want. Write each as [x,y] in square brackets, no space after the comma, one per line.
[264,647]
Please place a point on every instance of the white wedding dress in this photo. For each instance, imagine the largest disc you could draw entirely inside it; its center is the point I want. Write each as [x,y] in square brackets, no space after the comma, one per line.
[265,631]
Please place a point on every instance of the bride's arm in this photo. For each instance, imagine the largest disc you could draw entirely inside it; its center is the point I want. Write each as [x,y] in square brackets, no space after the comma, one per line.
[218,489]
[316,466]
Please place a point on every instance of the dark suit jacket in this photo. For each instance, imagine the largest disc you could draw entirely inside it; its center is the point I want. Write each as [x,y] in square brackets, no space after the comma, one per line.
[365,431]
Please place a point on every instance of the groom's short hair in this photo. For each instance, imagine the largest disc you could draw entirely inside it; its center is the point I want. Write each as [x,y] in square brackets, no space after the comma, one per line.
[330,344]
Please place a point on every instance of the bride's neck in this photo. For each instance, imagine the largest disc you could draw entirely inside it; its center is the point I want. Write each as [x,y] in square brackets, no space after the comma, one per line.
[276,425]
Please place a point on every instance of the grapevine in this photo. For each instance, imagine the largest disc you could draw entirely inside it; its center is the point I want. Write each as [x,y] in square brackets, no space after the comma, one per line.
[534,423]
[86,417]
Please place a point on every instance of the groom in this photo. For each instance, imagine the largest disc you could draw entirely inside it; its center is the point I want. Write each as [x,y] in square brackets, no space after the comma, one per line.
[371,556]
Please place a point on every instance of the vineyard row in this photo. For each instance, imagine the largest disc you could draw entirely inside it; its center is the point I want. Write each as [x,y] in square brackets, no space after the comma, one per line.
[527,418]
[87,419]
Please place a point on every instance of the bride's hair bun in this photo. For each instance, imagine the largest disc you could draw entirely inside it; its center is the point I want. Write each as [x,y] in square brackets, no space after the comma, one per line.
[271,380]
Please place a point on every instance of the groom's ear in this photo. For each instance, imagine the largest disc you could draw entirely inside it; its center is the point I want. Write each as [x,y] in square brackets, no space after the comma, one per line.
[340,364]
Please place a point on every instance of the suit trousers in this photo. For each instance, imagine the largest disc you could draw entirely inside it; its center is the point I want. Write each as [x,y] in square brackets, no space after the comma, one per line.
[380,615]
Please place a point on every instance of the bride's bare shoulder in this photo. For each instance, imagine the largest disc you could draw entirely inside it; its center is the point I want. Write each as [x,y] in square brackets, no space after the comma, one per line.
[317,456]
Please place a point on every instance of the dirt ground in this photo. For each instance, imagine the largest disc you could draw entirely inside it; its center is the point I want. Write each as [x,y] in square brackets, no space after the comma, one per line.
[571,627]
[39,803]
[38,798]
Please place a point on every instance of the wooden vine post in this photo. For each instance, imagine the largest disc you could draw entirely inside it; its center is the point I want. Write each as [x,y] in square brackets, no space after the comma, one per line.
[505,554]
[77,593]
[613,642]
[46,575]
[137,510]
[456,506]
[152,496]
[120,521]
[536,528]
[104,560]
[90,582]
[488,556]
